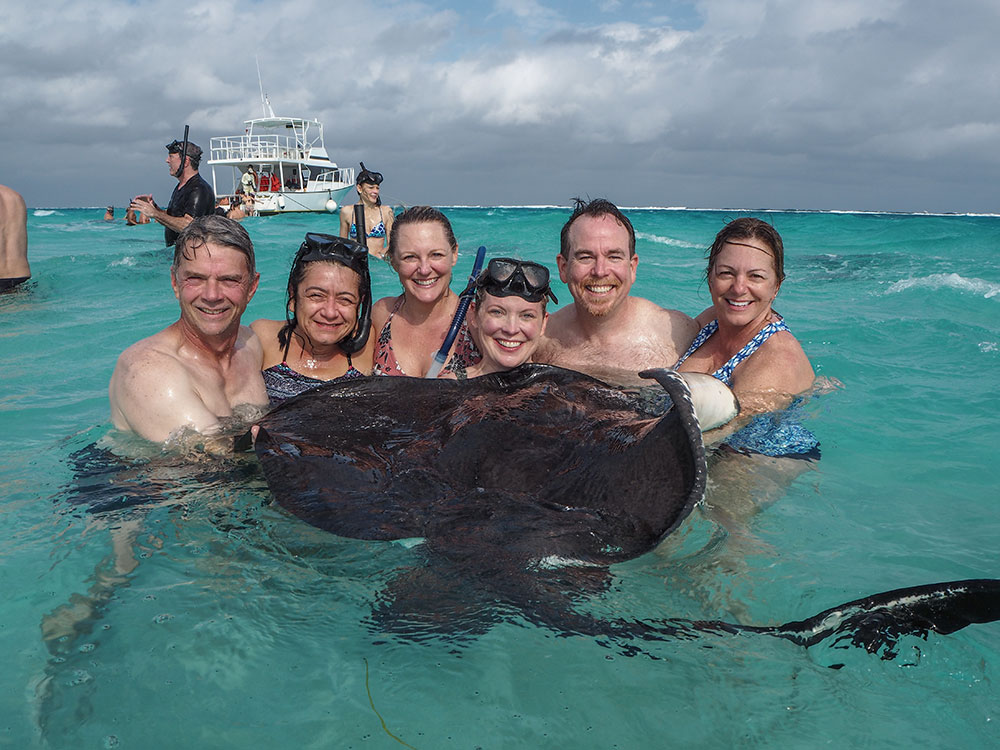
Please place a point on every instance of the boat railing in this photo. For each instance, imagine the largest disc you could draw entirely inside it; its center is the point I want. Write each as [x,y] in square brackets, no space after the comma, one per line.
[257,148]
[333,176]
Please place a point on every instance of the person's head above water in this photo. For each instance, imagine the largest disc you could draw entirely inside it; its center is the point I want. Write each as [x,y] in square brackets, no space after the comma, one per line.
[193,151]
[597,259]
[509,317]
[748,228]
[217,230]
[329,297]
[423,250]
[595,209]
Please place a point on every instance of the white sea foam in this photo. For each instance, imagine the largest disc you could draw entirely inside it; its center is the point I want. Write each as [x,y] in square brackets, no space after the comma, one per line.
[660,240]
[947,281]
[43,212]
[128,260]
[988,346]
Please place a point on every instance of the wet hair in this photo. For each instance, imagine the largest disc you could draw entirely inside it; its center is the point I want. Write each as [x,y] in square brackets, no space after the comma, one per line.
[595,208]
[748,228]
[215,229]
[419,215]
[355,341]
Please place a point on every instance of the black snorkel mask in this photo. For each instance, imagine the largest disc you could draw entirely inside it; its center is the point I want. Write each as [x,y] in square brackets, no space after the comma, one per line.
[348,253]
[508,277]
[366,175]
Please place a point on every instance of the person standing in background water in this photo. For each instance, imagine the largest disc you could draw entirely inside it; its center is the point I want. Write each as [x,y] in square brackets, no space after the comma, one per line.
[14,267]
[193,197]
[377,222]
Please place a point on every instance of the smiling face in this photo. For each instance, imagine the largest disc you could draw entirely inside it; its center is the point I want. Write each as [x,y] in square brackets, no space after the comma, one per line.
[743,282]
[424,259]
[214,287]
[507,330]
[326,303]
[369,192]
[598,270]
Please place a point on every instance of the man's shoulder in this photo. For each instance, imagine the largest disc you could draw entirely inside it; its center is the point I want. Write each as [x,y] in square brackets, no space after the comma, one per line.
[152,354]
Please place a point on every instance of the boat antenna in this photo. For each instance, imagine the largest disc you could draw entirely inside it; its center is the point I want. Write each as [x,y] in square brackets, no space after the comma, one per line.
[260,83]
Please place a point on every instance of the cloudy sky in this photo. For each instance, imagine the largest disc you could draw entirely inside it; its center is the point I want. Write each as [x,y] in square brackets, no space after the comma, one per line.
[813,104]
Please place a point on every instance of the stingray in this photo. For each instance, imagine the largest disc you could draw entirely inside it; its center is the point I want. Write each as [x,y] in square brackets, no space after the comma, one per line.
[524,486]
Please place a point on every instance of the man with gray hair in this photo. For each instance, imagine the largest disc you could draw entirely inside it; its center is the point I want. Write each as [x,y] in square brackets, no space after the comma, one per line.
[193,197]
[205,367]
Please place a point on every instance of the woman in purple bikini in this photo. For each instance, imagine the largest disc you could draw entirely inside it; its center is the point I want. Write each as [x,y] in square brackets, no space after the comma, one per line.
[326,334]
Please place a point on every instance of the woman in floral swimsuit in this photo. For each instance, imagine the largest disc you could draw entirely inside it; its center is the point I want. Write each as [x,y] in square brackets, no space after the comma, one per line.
[423,251]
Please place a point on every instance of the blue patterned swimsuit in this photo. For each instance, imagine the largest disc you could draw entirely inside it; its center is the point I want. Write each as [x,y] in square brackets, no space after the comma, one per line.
[377,231]
[773,434]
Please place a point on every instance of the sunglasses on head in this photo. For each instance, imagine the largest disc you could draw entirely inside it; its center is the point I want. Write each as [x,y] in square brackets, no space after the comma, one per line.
[326,246]
[505,277]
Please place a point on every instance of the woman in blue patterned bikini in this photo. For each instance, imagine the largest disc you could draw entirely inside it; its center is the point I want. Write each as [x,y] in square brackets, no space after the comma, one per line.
[378,222]
[326,334]
[746,344]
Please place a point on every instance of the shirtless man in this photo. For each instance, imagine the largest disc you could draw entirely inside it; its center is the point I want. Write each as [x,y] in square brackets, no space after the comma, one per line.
[206,365]
[14,267]
[193,197]
[606,332]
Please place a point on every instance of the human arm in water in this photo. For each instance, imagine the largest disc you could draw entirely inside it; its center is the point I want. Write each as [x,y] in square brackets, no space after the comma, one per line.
[145,205]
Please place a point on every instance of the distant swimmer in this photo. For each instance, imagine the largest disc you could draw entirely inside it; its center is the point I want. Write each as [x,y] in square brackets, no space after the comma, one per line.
[132,217]
[14,267]
[370,212]
[109,214]
[206,366]
[193,197]
[606,328]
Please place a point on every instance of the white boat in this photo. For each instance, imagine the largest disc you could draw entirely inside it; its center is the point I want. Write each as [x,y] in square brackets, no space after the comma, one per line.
[294,171]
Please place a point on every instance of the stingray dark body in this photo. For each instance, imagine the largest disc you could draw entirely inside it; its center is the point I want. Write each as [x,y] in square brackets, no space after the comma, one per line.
[503,473]
[539,461]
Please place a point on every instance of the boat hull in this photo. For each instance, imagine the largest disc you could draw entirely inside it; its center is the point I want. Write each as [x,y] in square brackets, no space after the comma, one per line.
[299,201]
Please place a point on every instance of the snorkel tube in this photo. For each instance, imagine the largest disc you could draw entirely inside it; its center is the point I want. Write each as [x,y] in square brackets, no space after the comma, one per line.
[184,150]
[465,299]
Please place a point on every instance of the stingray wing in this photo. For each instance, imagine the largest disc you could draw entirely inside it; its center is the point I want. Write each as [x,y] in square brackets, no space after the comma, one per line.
[541,459]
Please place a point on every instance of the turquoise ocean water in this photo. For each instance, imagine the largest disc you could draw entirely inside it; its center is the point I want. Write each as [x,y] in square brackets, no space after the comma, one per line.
[243,626]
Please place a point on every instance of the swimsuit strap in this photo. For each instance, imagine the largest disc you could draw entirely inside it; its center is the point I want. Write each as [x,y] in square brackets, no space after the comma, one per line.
[725,373]
[384,359]
[700,339]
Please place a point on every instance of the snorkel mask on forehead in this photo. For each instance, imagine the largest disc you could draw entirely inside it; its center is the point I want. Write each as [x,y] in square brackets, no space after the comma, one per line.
[508,277]
[367,176]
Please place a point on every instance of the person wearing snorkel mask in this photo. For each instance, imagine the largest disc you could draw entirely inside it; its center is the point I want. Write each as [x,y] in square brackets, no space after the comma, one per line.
[326,333]
[369,211]
[193,197]
[507,319]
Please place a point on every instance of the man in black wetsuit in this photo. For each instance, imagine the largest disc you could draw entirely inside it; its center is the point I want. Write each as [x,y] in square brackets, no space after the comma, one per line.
[193,197]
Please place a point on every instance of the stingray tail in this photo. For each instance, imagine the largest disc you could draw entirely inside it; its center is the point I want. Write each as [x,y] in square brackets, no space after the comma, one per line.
[877,622]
